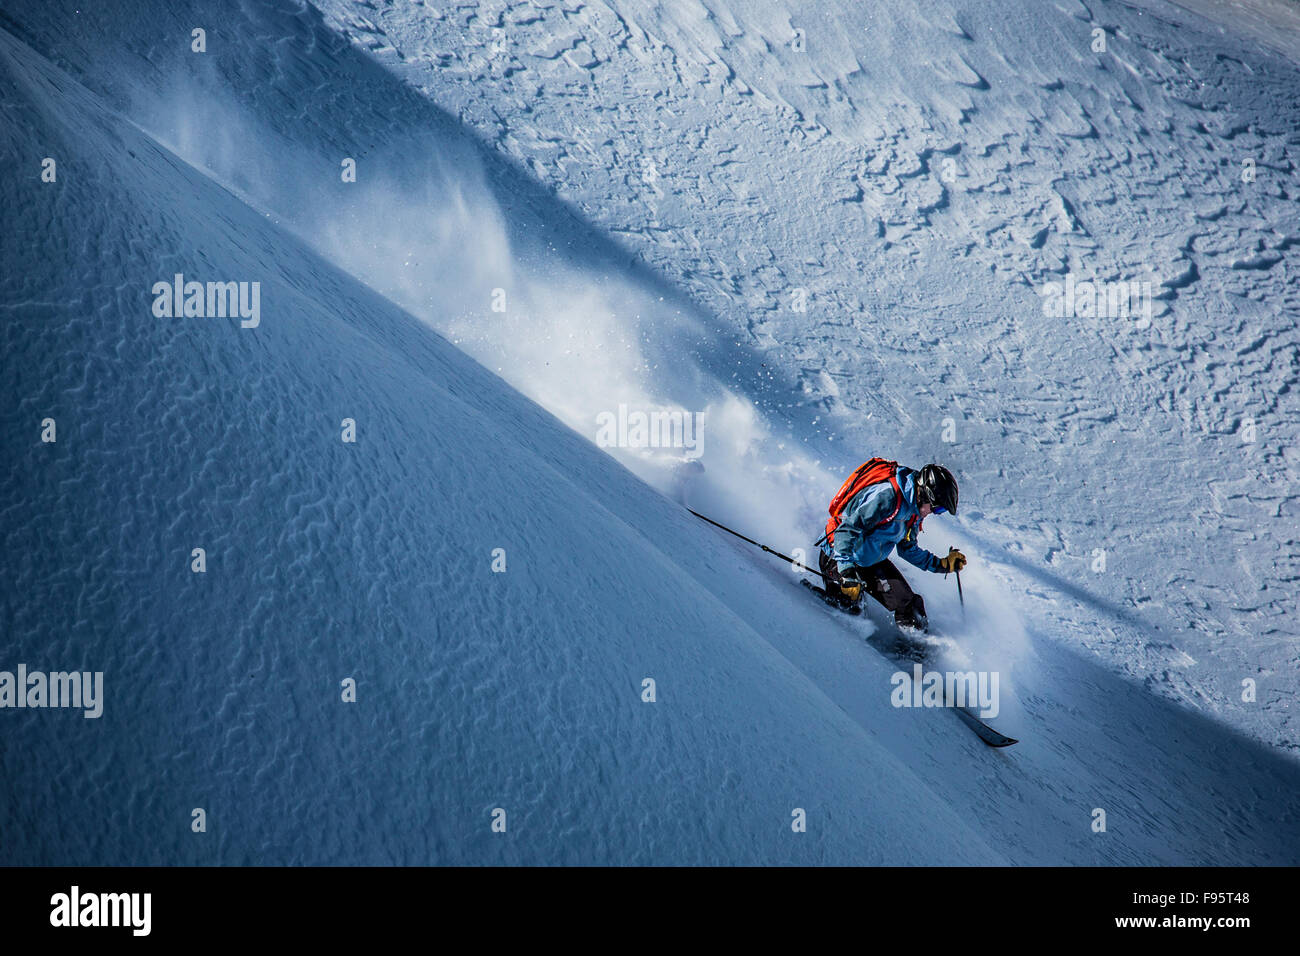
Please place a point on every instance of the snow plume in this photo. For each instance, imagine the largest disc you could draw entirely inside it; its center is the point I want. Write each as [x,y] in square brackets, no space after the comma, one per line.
[993,636]
[421,225]
[609,357]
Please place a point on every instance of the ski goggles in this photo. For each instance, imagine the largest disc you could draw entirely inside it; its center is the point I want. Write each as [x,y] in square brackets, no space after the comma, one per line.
[939,510]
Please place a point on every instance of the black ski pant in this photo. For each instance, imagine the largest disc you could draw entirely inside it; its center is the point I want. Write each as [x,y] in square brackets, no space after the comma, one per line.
[882,581]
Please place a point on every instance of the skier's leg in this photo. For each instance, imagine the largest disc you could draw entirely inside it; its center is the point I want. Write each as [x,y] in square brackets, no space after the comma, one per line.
[887,585]
[830,574]
[835,584]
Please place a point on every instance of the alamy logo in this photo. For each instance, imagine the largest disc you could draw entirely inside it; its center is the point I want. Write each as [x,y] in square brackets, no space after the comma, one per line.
[1104,300]
[75,908]
[654,429]
[967,689]
[200,300]
[55,689]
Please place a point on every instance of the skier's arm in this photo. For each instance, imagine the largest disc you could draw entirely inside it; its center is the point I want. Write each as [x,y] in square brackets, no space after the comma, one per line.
[914,554]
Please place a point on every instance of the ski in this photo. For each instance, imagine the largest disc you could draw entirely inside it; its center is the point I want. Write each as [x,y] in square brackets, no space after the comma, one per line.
[915,652]
[983,731]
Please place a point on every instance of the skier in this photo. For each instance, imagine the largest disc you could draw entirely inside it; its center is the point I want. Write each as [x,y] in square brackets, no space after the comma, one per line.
[881,506]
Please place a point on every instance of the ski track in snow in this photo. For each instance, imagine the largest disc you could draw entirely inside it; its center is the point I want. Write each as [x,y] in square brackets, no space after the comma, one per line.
[769,170]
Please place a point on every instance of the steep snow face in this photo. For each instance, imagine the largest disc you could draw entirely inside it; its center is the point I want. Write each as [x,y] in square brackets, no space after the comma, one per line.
[523,690]
[1272,23]
[1049,244]
[371,561]
[462,239]
[936,181]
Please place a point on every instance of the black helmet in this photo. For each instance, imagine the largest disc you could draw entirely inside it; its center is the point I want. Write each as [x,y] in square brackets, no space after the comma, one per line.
[936,486]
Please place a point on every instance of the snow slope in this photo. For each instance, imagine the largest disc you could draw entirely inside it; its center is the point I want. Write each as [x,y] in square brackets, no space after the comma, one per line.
[477,690]
[922,170]
[519,690]
[1272,23]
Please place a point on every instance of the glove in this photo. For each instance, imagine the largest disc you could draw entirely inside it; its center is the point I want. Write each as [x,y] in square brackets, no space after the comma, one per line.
[850,583]
[955,561]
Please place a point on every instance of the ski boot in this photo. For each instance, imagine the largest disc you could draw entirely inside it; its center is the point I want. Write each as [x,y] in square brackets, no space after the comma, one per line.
[912,617]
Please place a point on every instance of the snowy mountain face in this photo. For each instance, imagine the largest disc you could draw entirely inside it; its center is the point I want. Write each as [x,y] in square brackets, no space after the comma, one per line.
[934,179]
[1050,245]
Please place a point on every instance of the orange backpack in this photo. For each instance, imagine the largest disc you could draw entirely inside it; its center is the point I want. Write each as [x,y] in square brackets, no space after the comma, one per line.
[872,472]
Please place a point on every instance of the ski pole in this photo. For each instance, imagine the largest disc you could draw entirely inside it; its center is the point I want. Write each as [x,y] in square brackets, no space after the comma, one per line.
[960,596]
[783,557]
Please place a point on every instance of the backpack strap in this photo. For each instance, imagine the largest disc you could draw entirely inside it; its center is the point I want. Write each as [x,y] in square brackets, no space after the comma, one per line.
[898,499]
[869,473]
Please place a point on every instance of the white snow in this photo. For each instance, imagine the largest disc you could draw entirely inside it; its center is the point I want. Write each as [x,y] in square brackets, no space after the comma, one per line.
[651,187]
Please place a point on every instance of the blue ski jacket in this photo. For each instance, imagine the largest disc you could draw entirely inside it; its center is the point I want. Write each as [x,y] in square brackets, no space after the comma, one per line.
[860,544]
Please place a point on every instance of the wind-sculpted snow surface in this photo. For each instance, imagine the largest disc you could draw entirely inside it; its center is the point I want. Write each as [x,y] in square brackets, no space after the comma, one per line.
[923,174]
[370,561]
[515,680]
